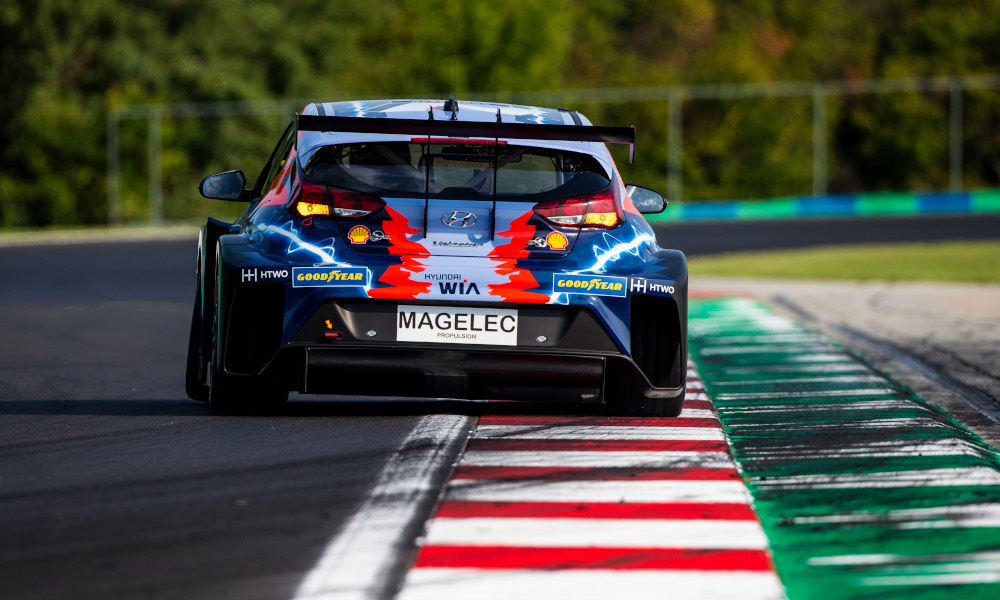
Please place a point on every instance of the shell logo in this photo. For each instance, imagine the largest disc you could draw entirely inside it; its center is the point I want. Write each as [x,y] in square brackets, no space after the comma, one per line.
[359,234]
[556,241]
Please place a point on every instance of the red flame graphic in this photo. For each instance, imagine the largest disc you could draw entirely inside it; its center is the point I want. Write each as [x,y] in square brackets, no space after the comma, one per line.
[398,277]
[520,280]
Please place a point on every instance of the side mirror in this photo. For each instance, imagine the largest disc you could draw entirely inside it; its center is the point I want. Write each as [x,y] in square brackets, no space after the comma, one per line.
[230,185]
[648,201]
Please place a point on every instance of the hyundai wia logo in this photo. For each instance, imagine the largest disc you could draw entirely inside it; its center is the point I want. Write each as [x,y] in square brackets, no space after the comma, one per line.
[458,218]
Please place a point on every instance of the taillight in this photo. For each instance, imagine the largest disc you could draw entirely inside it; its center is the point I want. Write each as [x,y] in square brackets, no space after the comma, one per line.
[314,199]
[595,210]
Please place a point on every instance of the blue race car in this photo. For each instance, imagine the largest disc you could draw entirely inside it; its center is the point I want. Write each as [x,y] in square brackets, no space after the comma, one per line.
[439,249]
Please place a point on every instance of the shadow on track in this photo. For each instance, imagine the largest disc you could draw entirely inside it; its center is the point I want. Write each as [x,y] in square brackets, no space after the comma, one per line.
[324,407]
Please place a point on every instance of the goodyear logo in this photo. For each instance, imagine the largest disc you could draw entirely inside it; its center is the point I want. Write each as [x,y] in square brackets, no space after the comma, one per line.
[329,277]
[594,285]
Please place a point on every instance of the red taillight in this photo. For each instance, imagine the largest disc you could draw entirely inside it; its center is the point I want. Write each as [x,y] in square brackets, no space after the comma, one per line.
[314,199]
[595,210]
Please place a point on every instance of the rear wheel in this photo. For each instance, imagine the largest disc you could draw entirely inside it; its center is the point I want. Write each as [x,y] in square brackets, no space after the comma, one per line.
[194,386]
[196,390]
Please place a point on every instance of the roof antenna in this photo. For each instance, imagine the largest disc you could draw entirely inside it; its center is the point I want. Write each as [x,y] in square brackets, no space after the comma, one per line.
[454,64]
[451,104]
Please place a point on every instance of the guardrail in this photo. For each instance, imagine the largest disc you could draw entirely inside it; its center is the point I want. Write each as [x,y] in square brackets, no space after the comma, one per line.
[846,205]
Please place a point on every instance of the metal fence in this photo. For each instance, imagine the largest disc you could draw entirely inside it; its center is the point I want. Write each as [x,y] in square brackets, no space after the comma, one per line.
[675,96]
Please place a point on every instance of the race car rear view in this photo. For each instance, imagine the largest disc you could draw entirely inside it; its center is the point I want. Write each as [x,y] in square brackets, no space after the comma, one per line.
[439,249]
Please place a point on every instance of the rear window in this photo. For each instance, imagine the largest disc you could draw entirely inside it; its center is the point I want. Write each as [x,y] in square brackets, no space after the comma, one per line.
[456,169]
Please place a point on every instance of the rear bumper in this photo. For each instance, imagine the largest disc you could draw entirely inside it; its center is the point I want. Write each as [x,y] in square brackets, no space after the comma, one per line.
[349,346]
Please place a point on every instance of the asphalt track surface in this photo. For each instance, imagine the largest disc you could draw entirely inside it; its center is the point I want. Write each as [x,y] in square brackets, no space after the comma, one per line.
[114,485]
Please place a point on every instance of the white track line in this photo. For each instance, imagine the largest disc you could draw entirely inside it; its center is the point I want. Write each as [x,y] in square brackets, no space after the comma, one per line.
[946,477]
[596,459]
[598,491]
[584,584]
[696,413]
[355,564]
[597,432]
[985,514]
[888,448]
[598,533]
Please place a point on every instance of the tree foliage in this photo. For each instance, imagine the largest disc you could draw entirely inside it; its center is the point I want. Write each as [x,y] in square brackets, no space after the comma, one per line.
[66,64]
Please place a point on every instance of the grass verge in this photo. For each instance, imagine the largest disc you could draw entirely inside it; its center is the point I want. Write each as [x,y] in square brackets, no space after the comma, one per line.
[970,262]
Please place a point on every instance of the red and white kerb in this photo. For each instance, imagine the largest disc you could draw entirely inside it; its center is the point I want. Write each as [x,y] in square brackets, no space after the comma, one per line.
[594,507]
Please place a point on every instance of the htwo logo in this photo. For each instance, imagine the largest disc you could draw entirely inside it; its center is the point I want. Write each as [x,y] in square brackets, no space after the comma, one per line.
[458,287]
[254,274]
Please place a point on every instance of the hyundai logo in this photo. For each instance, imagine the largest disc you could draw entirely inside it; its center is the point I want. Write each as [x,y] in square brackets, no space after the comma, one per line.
[458,218]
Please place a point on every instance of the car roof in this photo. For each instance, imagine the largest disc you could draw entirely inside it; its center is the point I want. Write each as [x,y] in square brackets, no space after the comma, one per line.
[470,111]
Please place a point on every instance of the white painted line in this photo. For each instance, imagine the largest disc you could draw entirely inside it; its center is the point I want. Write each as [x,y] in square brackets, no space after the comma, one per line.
[864,392]
[594,459]
[696,413]
[596,432]
[844,365]
[598,491]
[597,533]
[932,579]
[584,584]
[935,517]
[798,380]
[355,564]
[797,349]
[812,407]
[911,559]
[949,477]
[770,338]
[888,448]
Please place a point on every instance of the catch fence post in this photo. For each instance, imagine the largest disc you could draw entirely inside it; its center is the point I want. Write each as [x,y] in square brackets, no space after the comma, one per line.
[154,155]
[675,148]
[114,168]
[955,134]
[819,141]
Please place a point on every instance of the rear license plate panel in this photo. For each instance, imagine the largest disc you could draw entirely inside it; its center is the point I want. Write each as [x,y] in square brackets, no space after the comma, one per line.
[456,325]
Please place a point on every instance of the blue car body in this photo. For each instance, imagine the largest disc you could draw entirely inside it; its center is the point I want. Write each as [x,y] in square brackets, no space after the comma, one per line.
[436,249]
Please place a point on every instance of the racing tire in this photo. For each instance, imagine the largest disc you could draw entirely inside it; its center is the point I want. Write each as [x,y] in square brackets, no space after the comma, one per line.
[196,390]
[194,386]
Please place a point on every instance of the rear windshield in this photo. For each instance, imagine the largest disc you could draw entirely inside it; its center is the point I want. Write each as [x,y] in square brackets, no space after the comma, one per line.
[456,169]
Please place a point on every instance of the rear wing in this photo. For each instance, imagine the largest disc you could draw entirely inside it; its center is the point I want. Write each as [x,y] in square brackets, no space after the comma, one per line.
[469,129]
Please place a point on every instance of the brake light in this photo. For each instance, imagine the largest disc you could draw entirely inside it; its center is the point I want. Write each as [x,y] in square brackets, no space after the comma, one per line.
[466,141]
[314,199]
[595,210]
